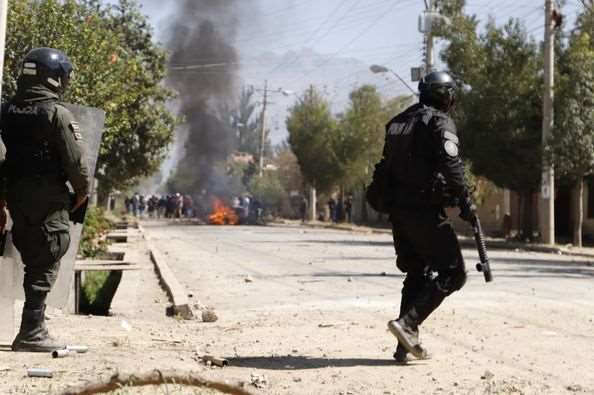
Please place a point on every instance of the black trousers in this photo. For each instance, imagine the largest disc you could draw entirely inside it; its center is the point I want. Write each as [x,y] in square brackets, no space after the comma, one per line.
[428,252]
[40,233]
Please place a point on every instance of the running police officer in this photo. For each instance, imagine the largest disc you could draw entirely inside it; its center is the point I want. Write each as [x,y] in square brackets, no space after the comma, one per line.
[43,152]
[425,174]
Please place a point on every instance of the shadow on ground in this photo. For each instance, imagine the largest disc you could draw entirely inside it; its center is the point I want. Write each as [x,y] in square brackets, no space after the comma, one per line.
[304,363]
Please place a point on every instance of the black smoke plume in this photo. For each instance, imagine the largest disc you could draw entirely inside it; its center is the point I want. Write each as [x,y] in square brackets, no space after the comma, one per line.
[204,72]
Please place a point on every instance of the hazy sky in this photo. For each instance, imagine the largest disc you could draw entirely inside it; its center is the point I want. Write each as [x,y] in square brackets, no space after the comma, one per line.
[374,31]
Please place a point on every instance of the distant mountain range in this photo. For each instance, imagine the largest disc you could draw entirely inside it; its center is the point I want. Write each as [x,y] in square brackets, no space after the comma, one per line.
[295,71]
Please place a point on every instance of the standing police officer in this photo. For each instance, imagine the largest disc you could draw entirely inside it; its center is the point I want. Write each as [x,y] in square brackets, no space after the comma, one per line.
[425,174]
[43,151]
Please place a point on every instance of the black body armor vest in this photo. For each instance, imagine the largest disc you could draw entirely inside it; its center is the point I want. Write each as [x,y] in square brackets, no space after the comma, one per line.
[410,162]
[28,134]
[412,170]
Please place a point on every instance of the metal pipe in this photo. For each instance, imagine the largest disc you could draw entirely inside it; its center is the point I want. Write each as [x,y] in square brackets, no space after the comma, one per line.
[77,349]
[60,353]
[40,372]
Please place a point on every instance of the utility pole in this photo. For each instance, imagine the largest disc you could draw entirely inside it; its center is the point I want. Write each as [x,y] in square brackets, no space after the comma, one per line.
[547,190]
[429,39]
[263,130]
[3,15]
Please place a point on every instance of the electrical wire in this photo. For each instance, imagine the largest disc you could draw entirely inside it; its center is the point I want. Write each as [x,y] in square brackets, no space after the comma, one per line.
[312,36]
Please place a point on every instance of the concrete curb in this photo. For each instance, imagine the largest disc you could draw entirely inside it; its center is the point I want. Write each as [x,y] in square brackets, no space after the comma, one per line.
[177,293]
[468,242]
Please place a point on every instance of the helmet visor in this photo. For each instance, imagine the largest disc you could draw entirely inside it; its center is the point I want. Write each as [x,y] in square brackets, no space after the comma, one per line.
[67,73]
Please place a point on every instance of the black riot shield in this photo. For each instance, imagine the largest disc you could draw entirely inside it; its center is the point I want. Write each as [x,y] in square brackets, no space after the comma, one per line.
[91,121]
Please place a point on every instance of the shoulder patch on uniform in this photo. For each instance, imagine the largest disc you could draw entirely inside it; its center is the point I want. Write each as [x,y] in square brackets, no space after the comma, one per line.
[451,137]
[75,130]
[450,148]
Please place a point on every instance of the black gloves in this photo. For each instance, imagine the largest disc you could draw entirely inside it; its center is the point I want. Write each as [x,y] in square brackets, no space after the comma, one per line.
[467,210]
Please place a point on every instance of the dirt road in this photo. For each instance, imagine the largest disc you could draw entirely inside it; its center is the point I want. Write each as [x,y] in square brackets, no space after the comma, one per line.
[304,311]
[308,309]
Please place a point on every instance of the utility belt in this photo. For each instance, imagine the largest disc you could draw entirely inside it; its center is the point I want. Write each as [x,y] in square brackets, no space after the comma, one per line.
[48,174]
[32,163]
[434,195]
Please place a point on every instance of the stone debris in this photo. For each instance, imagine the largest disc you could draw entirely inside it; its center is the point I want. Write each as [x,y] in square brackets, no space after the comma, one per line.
[209,315]
[209,360]
[487,375]
[575,388]
[126,325]
[248,279]
[325,325]
[258,380]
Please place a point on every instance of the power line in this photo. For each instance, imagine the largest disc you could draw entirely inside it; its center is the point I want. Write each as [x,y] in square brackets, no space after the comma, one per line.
[311,37]
[361,15]
[358,36]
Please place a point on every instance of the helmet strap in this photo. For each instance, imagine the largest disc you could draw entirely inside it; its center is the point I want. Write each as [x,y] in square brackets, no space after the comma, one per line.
[54,83]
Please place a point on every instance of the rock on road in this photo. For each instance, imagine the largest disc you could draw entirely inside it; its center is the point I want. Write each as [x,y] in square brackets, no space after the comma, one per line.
[308,309]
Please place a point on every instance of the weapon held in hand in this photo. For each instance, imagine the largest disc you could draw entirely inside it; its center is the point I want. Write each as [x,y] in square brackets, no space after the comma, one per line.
[483,266]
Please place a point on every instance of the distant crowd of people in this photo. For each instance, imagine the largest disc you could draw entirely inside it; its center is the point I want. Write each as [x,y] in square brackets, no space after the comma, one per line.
[164,206]
[339,210]
[248,209]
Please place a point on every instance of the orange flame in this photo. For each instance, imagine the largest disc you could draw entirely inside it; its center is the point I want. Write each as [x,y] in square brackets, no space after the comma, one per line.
[222,214]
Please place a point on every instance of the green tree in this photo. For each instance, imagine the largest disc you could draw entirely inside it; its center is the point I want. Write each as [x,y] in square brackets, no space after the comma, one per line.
[247,123]
[499,109]
[585,21]
[117,68]
[311,135]
[269,190]
[288,168]
[572,145]
[360,137]
[247,126]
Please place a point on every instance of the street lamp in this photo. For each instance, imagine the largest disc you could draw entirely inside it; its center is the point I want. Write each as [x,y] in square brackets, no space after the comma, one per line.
[377,69]
[286,92]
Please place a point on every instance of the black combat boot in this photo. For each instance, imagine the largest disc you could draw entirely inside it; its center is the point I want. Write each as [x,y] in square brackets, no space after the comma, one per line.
[406,328]
[33,335]
[401,355]
[408,336]
[402,358]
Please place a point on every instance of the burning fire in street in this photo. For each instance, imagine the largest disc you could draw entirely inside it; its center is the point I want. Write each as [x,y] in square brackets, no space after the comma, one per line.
[222,214]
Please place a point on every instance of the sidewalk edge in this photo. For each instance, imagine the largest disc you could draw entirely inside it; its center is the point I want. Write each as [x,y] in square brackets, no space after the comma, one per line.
[469,242]
[177,293]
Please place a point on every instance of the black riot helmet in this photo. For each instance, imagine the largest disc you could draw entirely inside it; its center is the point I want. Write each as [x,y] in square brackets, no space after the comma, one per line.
[48,66]
[438,90]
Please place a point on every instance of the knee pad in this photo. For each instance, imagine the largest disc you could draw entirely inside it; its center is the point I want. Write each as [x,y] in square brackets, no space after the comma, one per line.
[450,282]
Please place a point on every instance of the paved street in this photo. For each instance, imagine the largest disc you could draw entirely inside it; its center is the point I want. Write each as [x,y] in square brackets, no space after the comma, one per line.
[312,314]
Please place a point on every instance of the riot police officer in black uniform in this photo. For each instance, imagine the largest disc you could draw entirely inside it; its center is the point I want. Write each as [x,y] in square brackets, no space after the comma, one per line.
[43,151]
[424,175]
